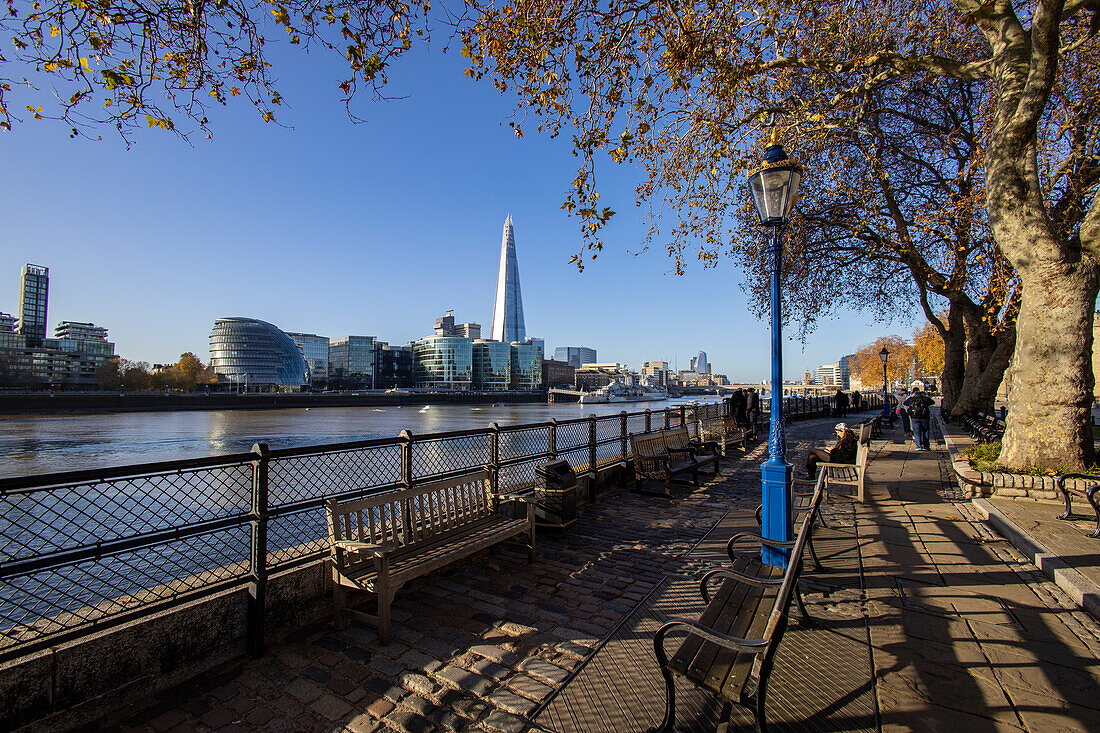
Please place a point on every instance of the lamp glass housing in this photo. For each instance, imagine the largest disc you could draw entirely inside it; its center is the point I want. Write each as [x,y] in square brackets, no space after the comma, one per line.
[775,186]
[884,354]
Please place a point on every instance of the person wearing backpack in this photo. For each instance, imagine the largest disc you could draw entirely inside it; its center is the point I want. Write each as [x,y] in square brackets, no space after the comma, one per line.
[917,407]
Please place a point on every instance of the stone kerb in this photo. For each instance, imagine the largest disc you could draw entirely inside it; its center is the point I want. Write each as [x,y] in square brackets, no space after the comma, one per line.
[1008,485]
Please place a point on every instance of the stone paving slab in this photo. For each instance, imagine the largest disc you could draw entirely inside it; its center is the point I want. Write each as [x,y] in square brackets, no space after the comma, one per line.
[965,632]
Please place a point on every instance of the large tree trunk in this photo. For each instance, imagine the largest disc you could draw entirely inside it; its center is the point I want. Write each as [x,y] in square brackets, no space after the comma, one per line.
[1050,378]
[995,371]
[954,359]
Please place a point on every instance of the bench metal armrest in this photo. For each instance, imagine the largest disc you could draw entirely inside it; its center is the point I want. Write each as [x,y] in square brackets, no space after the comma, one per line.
[365,548]
[739,577]
[750,646]
[777,544]
[525,498]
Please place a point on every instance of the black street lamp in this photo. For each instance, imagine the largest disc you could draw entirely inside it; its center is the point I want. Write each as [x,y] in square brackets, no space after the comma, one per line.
[886,416]
[774,188]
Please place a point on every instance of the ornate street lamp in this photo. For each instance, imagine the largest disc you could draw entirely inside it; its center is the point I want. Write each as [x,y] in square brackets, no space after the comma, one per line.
[774,188]
[886,416]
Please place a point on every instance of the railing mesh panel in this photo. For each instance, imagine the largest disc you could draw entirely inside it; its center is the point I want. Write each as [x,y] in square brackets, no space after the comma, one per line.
[516,477]
[296,535]
[524,443]
[66,598]
[433,457]
[53,519]
[608,427]
[323,474]
[572,435]
[635,425]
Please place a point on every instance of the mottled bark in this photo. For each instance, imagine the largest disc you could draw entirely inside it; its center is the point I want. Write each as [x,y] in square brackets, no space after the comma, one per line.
[1050,378]
[953,334]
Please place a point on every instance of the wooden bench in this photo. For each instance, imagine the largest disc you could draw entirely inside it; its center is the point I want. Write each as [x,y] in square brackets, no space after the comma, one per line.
[731,649]
[380,543]
[984,428]
[1088,494]
[723,430]
[848,474]
[666,455]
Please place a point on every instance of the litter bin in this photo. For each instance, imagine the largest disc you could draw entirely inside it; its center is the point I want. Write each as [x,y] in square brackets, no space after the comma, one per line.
[556,493]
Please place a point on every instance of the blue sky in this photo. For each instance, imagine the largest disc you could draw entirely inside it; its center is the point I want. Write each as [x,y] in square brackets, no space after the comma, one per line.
[377,228]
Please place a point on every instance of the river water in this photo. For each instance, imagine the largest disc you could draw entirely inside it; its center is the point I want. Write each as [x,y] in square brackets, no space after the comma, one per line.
[47,443]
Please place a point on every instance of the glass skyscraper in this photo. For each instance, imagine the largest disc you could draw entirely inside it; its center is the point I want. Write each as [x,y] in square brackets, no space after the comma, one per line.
[508,323]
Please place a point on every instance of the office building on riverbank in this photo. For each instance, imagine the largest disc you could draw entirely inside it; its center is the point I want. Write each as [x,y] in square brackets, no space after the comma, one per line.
[575,356]
[315,351]
[443,362]
[255,355]
[351,362]
[29,360]
[33,296]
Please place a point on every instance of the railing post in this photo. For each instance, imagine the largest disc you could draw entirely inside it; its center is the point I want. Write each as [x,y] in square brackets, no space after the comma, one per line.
[622,437]
[494,458]
[552,438]
[683,418]
[406,478]
[648,420]
[668,418]
[592,472]
[257,586]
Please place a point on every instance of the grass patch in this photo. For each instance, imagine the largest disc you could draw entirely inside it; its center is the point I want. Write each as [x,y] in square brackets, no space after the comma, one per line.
[984,457]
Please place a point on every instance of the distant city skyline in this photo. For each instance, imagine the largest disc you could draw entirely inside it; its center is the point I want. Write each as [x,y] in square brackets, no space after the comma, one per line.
[327,227]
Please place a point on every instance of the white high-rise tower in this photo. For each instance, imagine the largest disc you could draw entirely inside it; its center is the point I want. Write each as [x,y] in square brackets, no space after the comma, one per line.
[508,308]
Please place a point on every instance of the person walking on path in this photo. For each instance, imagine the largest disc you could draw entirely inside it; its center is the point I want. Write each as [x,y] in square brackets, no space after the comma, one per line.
[843,451]
[917,409]
[906,423]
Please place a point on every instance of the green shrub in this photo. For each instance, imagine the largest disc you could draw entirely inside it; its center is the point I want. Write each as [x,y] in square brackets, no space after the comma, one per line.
[983,457]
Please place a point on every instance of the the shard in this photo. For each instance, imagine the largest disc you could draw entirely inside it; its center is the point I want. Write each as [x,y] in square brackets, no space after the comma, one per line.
[508,307]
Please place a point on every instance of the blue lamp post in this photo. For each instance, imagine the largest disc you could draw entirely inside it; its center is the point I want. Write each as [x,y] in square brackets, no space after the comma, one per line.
[774,188]
[886,414]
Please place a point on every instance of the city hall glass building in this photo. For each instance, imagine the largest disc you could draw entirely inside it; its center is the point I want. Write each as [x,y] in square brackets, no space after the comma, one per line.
[257,354]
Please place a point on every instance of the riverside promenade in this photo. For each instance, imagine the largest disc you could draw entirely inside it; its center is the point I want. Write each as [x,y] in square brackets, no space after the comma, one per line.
[928,621]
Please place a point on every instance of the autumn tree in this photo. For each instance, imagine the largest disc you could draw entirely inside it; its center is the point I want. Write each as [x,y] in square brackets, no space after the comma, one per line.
[108,375]
[683,89]
[135,375]
[928,349]
[867,364]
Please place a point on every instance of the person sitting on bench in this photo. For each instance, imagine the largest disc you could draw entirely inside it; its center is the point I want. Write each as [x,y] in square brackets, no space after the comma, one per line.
[843,451]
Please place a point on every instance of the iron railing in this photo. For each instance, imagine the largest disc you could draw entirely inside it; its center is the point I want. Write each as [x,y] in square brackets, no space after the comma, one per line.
[85,550]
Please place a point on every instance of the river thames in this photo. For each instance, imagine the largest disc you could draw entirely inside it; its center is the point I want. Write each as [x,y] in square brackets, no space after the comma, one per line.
[38,444]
